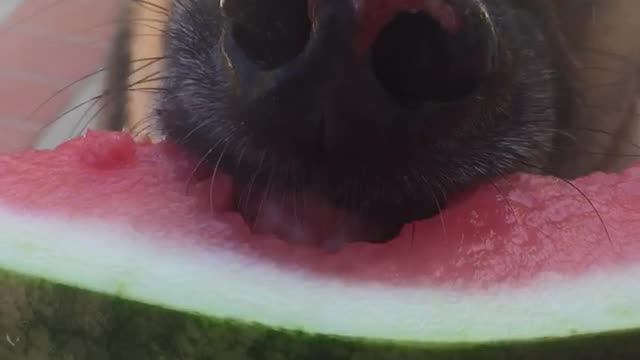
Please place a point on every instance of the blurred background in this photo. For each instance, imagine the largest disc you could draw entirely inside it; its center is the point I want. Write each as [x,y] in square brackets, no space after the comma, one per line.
[46,45]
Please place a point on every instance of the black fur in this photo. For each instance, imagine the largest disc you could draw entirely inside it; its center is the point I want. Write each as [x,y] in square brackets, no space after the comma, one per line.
[322,120]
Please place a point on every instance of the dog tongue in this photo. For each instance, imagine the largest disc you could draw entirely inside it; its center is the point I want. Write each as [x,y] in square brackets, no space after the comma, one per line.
[305,219]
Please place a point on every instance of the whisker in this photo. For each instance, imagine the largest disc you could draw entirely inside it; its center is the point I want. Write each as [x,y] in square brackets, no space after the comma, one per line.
[190,133]
[215,173]
[440,216]
[59,91]
[138,129]
[604,108]
[110,23]
[610,55]
[73,83]
[159,31]
[145,80]
[265,196]
[159,9]
[589,201]
[204,158]
[75,130]
[150,20]
[604,132]
[612,155]
[150,90]
[519,222]
[413,236]
[256,172]
[74,108]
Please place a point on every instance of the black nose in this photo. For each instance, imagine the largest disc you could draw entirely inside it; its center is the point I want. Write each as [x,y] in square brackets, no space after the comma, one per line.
[270,33]
[415,69]
[337,76]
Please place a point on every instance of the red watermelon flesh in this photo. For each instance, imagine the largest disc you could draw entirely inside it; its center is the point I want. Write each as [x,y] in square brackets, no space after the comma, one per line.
[506,233]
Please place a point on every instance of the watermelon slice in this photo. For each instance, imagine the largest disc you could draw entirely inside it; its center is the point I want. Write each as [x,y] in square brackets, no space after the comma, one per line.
[105,255]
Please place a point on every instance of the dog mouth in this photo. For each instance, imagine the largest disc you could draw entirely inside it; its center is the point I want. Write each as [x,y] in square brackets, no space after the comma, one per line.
[363,65]
[306,219]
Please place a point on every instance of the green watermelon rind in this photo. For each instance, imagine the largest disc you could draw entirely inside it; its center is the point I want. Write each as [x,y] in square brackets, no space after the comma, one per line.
[65,322]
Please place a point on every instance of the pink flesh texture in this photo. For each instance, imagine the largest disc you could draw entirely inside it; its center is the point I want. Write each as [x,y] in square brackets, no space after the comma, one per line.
[545,226]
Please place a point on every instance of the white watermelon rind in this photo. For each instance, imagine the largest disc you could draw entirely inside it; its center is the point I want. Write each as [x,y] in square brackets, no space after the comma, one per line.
[228,306]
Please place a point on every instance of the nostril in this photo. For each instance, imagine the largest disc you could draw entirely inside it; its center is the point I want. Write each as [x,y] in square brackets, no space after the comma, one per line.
[416,60]
[270,33]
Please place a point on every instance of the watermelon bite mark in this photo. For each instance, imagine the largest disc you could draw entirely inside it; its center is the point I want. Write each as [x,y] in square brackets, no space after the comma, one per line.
[104,214]
[506,233]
